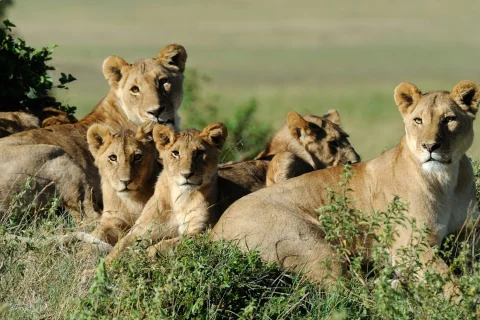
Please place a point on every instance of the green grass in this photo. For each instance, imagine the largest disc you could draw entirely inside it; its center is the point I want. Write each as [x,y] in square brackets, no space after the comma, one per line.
[307,56]
[203,280]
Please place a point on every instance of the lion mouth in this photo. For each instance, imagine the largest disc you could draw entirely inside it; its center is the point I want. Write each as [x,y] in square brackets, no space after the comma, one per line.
[439,161]
[190,184]
[169,123]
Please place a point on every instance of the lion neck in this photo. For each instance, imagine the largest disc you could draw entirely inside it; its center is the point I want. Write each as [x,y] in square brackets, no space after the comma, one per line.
[400,172]
[179,198]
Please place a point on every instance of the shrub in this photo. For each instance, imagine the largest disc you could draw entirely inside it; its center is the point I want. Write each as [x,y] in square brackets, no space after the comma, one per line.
[363,241]
[24,77]
[246,136]
[196,280]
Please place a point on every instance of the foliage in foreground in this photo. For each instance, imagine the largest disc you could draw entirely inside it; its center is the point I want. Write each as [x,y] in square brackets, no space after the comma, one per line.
[24,77]
[203,280]
[199,279]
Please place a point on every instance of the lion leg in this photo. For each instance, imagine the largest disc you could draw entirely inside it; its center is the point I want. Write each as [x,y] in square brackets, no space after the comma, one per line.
[111,229]
[284,166]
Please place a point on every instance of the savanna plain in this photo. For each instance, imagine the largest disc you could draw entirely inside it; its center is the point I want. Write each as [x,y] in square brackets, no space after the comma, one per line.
[307,56]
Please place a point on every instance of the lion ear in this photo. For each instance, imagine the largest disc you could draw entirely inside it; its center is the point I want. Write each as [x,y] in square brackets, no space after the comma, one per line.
[406,97]
[215,134]
[112,69]
[163,136]
[297,125]
[145,131]
[467,95]
[96,137]
[333,116]
[173,57]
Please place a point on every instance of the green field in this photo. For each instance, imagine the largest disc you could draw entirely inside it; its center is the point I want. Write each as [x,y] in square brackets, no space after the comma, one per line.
[308,56]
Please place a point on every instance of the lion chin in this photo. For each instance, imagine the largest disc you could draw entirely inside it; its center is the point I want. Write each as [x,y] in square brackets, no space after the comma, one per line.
[434,166]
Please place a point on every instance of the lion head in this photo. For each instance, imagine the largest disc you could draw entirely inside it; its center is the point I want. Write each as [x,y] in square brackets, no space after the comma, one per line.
[125,159]
[149,89]
[319,141]
[439,124]
[190,158]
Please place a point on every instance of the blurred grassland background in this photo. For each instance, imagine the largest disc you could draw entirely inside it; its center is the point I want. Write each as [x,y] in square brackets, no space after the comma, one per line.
[307,56]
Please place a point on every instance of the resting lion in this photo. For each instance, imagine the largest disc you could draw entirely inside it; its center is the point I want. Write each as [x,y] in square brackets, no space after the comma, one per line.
[126,161]
[428,169]
[302,145]
[186,191]
[58,157]
[17,121]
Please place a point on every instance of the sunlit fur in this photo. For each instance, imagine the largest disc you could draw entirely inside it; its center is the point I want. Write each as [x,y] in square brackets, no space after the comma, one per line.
[185,194]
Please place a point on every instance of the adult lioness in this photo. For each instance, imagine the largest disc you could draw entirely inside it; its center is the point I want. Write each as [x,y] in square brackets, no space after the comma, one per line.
[58,157]
[302,145]
[186,190]
[127,164]
[428,169]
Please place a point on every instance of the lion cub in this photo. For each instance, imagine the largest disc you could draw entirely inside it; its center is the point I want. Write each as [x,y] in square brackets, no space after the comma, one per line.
[306,144]
[127,164]
[186,190]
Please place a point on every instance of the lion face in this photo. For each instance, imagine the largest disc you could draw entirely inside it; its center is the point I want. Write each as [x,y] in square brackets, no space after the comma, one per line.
[190,158]
[149,89]
[125,159]
[438,125]
[323,138]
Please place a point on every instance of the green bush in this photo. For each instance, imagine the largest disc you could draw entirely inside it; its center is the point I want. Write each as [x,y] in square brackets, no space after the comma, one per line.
[380,290]
[196,280]
[247,136]
[24,77]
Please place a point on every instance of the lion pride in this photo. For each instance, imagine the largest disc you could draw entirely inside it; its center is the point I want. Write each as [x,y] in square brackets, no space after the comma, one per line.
[58,157]
[428,169]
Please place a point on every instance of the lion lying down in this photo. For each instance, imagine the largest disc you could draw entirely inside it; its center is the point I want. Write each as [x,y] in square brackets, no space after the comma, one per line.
[428,169]
[186,191]
[128,185]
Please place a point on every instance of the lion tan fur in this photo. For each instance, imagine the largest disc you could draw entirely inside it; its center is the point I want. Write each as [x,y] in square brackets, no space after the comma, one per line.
[126,161]
[428,169]
[305,144]
[302,145]
[185,194]
[58,157]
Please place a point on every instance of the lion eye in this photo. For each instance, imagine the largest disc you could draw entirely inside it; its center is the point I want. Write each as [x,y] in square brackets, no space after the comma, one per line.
[450,119]
[175,154]
[137,157]
[135,89]
[418,120]
[334,143]
[112,158]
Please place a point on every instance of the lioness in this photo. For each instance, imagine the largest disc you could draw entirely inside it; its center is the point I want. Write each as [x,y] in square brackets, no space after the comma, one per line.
[126,161]
[428,169]
[58,157]
[186,191]
[302,145]
[18,121]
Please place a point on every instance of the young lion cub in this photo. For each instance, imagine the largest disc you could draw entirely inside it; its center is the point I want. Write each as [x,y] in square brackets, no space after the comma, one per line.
[312,142]
[186,190]
[128,168]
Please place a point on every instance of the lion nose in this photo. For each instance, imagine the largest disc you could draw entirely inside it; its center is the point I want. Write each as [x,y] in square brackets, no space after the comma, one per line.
[431,146]
[125,182]
[187,174]
[154,112]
